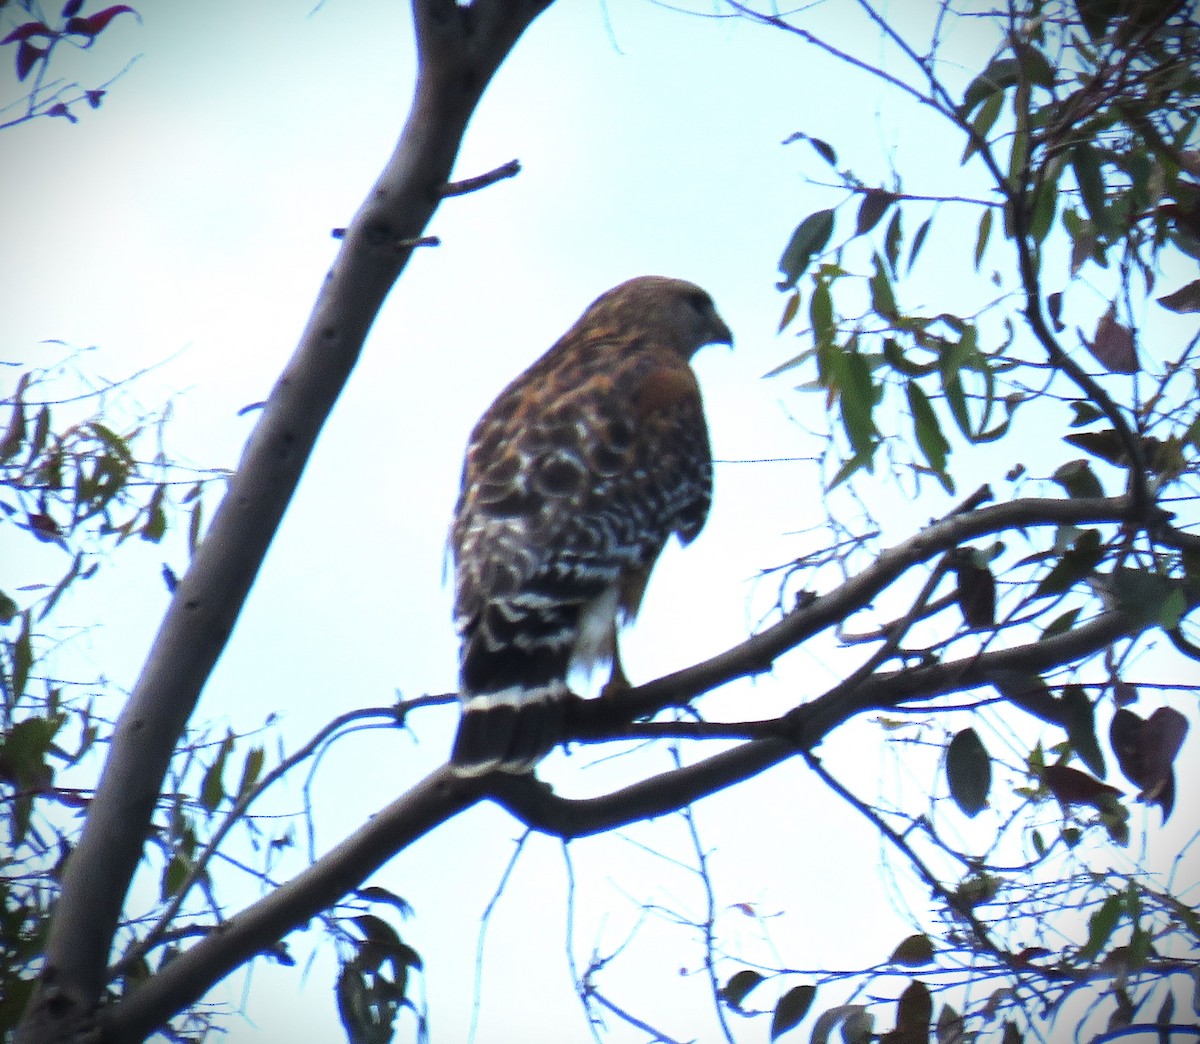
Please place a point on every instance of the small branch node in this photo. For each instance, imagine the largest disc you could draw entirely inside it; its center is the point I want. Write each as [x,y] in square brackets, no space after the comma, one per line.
[460,188]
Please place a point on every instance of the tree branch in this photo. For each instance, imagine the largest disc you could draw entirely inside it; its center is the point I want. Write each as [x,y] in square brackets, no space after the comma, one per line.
[459,47]
[593,719]
[186,979]
[537,807]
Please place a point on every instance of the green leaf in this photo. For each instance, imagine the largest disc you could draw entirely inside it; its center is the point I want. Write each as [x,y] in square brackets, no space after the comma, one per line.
[982,125]
[892,240]
[174,874]
[913,952]
[791,1008]
[212,789]
[1085,161]
[8,609]
[1081,727]
[1061,624]
[1001,74]
[156,518]
[883,300]
[251,768]
[14,435]
[1095,16]
[1077,563]
[927,429]
[858,397]
[21,653]
[1078,480]
[918,242]
[820,313]
[790,308]
[981,239]
[1101,925]
[1148,598]
[969,772]
[810,239]
[735,991]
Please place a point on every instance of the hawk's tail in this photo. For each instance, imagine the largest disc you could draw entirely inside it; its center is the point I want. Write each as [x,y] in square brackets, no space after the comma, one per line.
[510,730]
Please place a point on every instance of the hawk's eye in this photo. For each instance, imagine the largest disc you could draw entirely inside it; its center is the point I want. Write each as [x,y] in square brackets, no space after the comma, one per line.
[700,301]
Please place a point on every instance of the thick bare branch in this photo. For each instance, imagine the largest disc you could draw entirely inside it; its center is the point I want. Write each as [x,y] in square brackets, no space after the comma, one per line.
[538,807]
[459,48]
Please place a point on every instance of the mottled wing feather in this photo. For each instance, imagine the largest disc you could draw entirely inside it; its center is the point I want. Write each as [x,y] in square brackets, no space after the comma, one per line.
[574,481]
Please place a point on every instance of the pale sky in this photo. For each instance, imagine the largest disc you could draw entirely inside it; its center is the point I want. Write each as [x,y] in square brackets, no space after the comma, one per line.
[189,220]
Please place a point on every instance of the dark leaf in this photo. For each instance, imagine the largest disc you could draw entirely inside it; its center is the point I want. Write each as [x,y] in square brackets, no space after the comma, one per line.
[1072,787]
[825,150]
[8,609]
[792,1007]
[918,241]
[1095,16]
[1146,750]
[914,1012]
[93,25]
[874,205]
[969,772]
[27,55]
[976,594]
[251,768]
[913,951]
[94,97]
[1113,344]
[809,239]
[71,7]
[1085,413]
[377,894]
[735,991]
[60,109]
[1086,163]
[1031,694]
[951,1028]
[1185,299]
[1054,307]
[25,31]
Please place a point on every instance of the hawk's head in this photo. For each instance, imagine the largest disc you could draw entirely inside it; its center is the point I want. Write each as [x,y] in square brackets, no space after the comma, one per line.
[669,311]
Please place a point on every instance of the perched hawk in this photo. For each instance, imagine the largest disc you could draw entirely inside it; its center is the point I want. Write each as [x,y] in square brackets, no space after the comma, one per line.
[574,479]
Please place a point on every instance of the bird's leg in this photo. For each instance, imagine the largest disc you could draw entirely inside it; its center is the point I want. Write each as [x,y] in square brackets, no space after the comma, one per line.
[617,682]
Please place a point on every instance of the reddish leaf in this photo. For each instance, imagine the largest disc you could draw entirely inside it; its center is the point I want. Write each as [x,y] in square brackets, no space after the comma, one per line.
[1072,787]
[1054,307]
[1185,299]
[59,109]
[71,7]
[27,55]
[94,97]
[44,527]
[1113,344]
[24,32]
[1146,750]
[93,25]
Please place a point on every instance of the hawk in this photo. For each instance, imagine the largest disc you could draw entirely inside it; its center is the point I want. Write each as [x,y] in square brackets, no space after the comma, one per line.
[574,480]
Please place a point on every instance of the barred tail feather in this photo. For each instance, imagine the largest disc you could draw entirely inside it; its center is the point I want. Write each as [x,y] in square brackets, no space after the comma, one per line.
[510,730]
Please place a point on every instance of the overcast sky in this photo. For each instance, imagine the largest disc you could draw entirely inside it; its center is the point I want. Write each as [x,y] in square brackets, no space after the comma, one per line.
[189,220]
